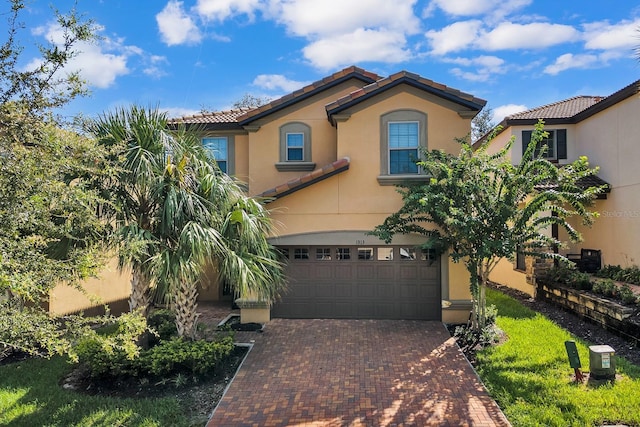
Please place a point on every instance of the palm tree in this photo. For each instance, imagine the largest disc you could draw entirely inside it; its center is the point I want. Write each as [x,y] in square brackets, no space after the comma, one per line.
[175,211]
[206,218]
[136,138]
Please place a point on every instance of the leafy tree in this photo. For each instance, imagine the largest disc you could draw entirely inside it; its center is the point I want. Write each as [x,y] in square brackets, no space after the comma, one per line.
[482,123]
[484,208]
[49,231]
[251,101]
[176,212]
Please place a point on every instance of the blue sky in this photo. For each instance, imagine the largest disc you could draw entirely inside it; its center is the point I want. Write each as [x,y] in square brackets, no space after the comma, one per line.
[188,55]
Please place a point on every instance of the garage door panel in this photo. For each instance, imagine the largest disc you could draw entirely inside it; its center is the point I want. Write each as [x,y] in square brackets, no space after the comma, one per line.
[322,270]
[344,290]
[365,290]
[361,288]
[429,273]
[344,271]
[366,272]
[385,290]
[409,272]
[387,271]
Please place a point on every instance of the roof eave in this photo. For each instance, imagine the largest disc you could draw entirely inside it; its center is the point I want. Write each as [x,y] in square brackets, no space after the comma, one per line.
[296,99]
[411,82]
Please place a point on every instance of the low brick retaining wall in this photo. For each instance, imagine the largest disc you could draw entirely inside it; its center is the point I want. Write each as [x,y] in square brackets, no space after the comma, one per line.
[620,319]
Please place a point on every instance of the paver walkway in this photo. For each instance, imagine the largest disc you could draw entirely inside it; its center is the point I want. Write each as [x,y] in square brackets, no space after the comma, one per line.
[356,373]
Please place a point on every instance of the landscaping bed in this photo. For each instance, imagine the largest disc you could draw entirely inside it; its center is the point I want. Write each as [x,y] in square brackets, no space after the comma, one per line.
[621,319]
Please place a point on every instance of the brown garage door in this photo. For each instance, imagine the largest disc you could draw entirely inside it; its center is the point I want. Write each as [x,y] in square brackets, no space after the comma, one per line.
[383,282]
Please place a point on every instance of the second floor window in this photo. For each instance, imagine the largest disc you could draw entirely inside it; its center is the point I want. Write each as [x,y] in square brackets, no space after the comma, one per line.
[555,143]
[295,147]
[218,148]
[403,147]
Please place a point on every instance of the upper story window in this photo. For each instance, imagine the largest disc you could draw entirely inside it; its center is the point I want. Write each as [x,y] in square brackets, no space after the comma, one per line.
[403,133]
[555,143]
[221,149]
[403,147]
[295,148]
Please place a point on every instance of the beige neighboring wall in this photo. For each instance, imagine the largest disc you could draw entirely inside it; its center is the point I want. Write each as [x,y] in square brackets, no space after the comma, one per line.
[505,274]
[610,140]
[111,287]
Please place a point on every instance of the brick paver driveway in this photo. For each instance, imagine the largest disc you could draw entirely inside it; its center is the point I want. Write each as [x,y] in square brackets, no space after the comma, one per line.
[356,373]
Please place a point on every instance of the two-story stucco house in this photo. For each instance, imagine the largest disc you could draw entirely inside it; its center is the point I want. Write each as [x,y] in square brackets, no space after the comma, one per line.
[607,131]
[326,158]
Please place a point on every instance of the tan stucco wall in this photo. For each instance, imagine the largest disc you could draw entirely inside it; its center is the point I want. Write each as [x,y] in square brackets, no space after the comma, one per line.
[610,140]
[264,144]
[505,274]
[110,287]
[354,200]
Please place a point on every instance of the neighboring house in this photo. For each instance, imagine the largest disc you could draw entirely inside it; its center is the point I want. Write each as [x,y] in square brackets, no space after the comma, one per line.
[326,158]
[607,131]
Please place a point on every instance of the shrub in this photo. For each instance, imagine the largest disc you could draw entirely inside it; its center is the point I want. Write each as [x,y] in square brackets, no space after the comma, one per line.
[626,294]
[615,272]
[163,323]
[567,275]
[113,350]
[181,356]
[471,340]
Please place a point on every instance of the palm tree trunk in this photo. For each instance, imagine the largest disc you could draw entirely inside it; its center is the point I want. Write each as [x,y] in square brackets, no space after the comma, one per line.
[185,306]
[140,293]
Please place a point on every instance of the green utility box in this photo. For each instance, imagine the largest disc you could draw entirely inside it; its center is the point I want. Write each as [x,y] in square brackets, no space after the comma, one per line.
[602,362]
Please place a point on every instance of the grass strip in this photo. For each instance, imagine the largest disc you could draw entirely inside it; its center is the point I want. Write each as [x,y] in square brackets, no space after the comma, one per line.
[530,377]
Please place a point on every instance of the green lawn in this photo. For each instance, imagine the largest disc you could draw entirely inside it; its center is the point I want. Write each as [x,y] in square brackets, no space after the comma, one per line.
[530,377]
[30,396]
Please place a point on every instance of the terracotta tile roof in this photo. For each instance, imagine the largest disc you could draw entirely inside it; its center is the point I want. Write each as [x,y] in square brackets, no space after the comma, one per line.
[558,110]
[216,117]
[306,180]
[568,111]
[309,90]
[583,183]
[413,79]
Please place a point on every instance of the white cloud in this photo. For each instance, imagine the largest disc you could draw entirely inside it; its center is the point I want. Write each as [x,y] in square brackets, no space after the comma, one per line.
[602,35]
[503,111]
[536,35]
[154,66]
[176,27]
[96,63]
[493,9]
[277,82]
[485,67]
[453,37]
[569,60]
[175,112]
[359,46]
[219,10]
[309,18]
